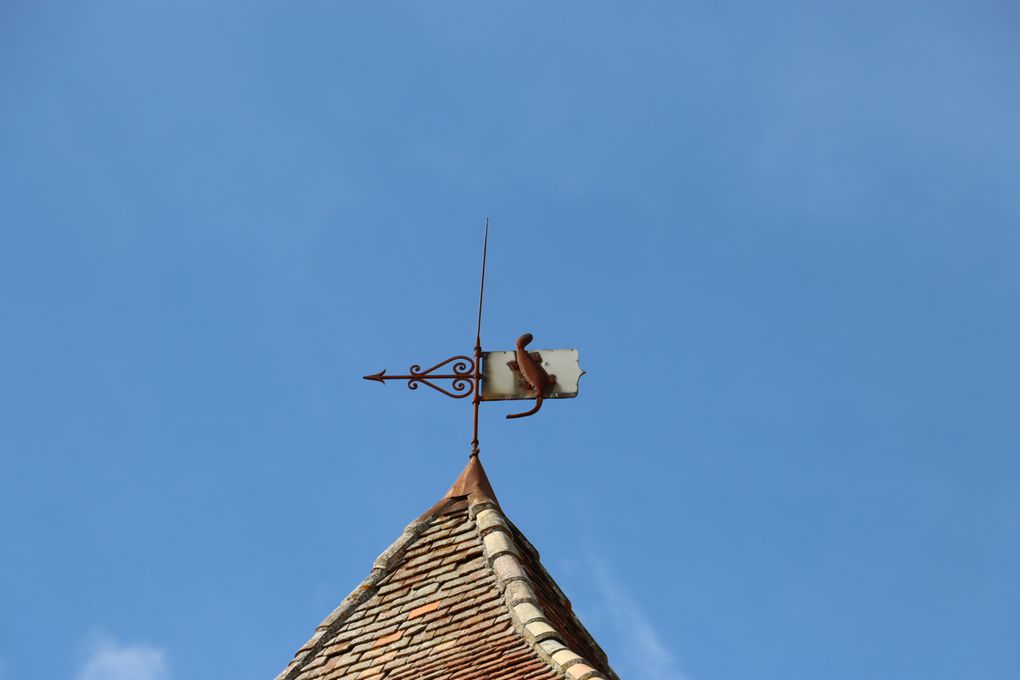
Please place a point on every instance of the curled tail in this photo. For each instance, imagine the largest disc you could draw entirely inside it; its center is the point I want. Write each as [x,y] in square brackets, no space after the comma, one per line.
[534,409]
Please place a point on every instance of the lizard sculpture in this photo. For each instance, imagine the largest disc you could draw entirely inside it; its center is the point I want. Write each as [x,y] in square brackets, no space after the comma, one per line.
[529,364]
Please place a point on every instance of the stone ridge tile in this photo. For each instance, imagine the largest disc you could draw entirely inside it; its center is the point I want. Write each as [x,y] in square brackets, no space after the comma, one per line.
[582,672]
[461,629]
[490,519]
[558,612]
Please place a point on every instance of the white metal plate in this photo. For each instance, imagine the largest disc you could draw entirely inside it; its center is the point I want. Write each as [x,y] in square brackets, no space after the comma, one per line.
[499,381]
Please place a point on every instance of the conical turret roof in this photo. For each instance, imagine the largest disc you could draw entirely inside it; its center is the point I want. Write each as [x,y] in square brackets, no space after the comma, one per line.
[461,594]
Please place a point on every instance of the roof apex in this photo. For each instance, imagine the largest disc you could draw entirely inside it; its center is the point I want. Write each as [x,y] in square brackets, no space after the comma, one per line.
[461,594]
[473,483]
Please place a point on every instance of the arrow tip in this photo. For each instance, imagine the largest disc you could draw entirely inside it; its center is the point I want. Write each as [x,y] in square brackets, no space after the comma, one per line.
[376,376]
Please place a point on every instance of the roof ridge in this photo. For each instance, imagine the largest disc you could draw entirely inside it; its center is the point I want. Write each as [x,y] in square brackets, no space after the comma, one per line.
[383,567]
[500,540]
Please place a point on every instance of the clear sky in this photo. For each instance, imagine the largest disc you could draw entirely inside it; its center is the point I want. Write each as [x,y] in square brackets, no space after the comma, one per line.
[785,238]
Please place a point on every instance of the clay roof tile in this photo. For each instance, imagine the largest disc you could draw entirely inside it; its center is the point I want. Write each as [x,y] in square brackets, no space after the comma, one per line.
[461,594]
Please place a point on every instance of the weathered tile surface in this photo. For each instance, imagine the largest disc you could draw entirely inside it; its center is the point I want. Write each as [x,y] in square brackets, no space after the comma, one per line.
[440,603]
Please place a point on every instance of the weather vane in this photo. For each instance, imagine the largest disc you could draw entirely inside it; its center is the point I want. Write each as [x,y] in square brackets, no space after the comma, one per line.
[500,375]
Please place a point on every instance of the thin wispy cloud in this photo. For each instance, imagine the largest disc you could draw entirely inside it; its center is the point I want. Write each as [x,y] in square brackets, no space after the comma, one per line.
[110,660]
[647,658]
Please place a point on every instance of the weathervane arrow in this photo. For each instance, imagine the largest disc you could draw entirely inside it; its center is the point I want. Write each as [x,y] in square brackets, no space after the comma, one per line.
[462,378]
[499,375]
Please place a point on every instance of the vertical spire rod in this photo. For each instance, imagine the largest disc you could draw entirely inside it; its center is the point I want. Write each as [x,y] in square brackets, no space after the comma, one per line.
[478,347]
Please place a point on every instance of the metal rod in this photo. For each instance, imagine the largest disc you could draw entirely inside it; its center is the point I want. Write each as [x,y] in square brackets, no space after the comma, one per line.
[478,347]
[416,376]
[481,289]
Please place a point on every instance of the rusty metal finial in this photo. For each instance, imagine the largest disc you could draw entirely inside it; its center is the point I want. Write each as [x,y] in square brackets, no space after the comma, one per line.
[478,347]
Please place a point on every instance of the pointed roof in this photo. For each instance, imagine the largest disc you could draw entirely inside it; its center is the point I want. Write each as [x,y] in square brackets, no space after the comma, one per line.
[460,595]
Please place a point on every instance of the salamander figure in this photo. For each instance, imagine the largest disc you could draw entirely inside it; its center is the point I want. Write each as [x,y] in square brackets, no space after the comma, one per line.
[529,364]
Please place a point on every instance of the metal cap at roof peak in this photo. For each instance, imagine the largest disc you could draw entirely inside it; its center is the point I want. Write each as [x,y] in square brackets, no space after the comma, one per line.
[473,483]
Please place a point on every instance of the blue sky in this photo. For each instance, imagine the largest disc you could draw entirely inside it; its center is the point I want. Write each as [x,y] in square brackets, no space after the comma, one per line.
[784,237]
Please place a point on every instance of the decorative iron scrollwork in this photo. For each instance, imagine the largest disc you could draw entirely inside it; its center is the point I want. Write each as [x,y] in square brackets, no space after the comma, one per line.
[462,379]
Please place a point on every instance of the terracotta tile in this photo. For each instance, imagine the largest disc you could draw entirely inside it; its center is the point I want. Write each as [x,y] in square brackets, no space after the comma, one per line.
[387,639]
[440,613]
[424,609]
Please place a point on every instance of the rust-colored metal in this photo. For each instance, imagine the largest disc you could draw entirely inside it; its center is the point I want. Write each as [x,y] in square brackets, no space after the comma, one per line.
[530,366]
[478,348]
[472,482]
[463,380]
